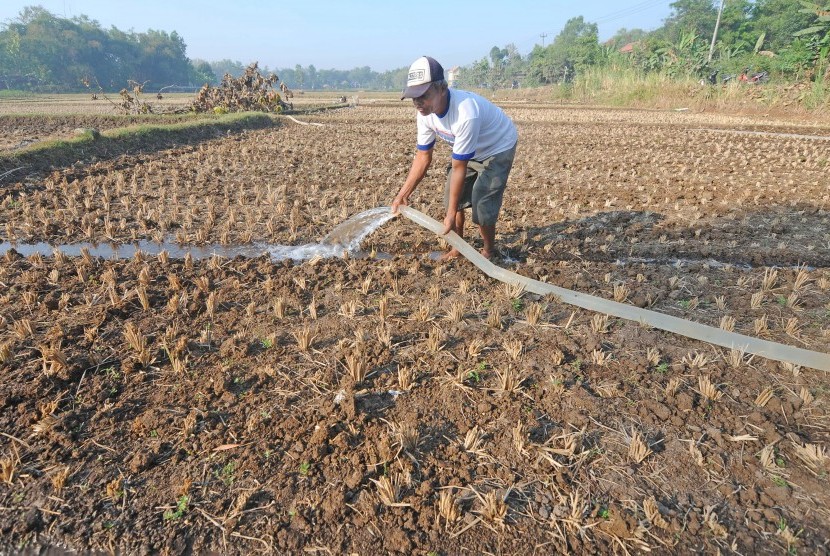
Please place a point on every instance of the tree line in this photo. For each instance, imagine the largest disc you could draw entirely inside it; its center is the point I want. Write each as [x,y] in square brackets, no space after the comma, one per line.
[789,39]
[310,77]
[42,52]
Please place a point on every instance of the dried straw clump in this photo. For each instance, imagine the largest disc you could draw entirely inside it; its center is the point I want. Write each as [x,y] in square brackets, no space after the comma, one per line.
[433,342]
[23,329]
[58,479]
[5,354]
[708,390]
[814,456]
[761,326]
[513,348]
[304,338]
[447,508]
[510,381]
[494,316]
[53,360]
[737,358]
[138,343]
[599,323]
[406,437]
[389,490]
[638,449]
[806,396]
[599,357]
[711,520]
[475,347]
[696,360]
[455,313]
[406,377]
[357,366]
[493,507]
[653,356]
[474,441]
[423,314]
[384,335]
[533,314]
[8,467]
[653,515]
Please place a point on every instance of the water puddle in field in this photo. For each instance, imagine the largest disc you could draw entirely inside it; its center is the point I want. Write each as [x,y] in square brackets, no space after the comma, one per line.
[768,134]
[707,263]
[680,263]
[345,238]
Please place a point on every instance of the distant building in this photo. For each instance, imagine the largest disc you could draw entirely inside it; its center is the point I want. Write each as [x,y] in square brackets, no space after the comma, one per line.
[628,48]
[452,75]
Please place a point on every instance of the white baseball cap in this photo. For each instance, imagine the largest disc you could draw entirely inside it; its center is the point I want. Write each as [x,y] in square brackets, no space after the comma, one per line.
[422,73]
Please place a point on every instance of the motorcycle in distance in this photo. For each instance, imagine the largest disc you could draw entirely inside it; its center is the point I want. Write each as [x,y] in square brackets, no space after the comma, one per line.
[713,78]
[753,78]
[744,77]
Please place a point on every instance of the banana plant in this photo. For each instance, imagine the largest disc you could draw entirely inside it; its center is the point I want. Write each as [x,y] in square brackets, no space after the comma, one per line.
[820,32]
[821,28]
[759,43]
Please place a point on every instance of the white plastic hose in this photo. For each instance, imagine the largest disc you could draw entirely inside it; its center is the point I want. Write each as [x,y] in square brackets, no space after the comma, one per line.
[697,331]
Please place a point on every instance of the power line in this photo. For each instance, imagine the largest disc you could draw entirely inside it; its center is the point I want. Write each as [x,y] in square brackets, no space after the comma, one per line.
[638,8]
[625,12]
[619,14]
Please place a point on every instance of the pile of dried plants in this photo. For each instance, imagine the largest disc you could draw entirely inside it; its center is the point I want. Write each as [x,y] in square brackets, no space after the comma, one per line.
[250,91]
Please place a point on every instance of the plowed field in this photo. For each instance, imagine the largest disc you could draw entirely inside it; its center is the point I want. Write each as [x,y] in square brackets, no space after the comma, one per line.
[393,403]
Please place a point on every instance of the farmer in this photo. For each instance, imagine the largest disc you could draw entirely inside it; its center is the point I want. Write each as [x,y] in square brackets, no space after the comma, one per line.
[483,143]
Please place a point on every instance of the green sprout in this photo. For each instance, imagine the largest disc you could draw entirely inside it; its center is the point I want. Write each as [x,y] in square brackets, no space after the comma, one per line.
[780,482]
[227,473]
[181,508]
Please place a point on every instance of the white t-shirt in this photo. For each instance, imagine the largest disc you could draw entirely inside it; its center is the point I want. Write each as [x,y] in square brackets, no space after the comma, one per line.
[475,127]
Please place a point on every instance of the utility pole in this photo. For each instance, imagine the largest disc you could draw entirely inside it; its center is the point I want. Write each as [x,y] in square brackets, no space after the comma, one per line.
[715,34]
[543,35]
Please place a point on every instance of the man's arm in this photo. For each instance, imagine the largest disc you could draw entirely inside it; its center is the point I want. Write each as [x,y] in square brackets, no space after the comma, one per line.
[459,173]
[420,164]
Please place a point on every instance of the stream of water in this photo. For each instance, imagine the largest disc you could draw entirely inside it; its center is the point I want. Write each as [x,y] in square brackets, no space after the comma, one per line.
[344,238]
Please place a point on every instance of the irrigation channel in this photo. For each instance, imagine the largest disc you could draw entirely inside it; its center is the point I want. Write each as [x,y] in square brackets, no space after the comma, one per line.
[347,236]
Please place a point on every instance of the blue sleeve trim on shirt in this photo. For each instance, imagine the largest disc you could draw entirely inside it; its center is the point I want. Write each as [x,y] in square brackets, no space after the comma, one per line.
[426,147]
[463,156]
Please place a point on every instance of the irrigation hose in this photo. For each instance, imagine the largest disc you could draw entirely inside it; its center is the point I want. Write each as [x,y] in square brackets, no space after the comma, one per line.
[296,121]
[694,330]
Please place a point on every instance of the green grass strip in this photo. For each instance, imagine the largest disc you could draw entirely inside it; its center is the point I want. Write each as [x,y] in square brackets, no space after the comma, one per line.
[141,138]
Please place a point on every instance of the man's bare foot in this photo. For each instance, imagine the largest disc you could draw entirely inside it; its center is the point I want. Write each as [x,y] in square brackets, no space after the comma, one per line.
[486,254]
[449,255]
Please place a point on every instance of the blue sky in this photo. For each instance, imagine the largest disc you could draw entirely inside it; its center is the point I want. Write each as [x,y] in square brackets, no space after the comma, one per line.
[381,34]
